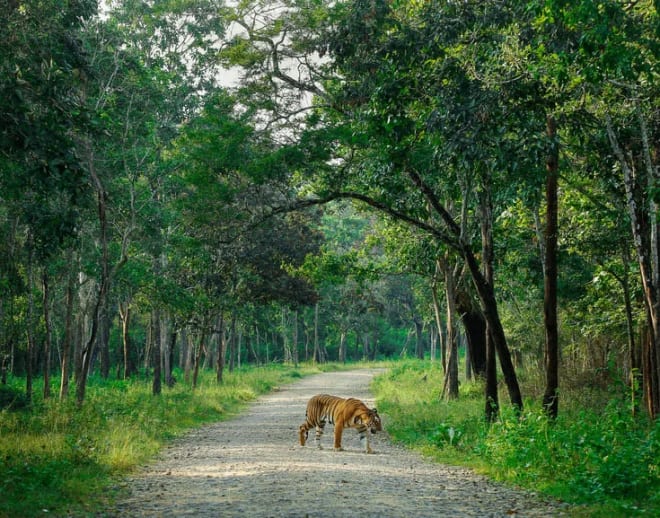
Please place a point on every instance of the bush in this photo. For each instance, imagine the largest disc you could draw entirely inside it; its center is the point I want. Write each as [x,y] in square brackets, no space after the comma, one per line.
[597,455]
[12,398]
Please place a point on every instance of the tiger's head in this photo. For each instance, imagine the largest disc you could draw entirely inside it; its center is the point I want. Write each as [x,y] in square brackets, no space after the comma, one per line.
[370,418]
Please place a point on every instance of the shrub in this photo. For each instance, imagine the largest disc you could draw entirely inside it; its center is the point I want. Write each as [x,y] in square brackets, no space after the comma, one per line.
[12,398]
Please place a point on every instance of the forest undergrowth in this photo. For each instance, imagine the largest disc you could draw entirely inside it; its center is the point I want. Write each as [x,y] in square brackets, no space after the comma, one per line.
[596,454]
[55,457]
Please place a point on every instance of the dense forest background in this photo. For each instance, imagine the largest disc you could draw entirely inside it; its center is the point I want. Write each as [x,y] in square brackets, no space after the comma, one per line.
[204,184]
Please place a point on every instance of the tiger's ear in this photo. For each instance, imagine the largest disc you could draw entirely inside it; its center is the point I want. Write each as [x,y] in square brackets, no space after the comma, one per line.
[357,420]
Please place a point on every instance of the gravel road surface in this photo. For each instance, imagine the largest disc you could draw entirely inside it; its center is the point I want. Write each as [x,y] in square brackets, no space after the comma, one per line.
[251,466]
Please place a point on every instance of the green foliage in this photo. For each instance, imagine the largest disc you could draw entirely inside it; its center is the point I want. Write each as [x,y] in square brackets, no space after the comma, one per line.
[600,457]
[12,398]
[57,458]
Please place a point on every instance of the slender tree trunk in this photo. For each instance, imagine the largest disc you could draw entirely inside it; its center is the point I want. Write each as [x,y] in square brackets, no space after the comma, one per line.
[288,354]
[296,358]
[342,346]
[222,349]
[125,316]
[168,341]
[433,339]
[68,331]
[317,351]
[232,342]
[450,388]
[474,326]
[436,313]
[187,339]
[157,385]
[551,395]
[495,340]
[104,285]
[30,328]
[49,334]
[365,346]
[103,340]
[198,353]
[419,337]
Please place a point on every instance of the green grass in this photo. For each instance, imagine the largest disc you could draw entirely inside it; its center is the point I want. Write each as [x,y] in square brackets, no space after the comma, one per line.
[60,460]
[596,455]
[56,459]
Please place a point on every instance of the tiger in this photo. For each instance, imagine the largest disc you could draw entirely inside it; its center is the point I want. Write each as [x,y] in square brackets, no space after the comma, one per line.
[342,413]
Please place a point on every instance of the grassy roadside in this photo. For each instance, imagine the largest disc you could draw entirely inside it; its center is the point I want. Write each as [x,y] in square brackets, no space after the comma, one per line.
[595,456]
[56,459]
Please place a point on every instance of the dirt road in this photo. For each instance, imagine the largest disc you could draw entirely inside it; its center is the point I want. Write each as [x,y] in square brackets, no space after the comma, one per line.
[252,466]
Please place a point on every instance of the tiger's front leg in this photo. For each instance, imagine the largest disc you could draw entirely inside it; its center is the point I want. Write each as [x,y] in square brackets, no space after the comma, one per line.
[339,428]
[319,434]
[364,441]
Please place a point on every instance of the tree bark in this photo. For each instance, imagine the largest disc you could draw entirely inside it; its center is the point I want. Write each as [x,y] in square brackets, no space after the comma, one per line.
[436,313]
[197,356]
[68,332]
[157,385]
[316,358]
[342,346]
[450,389]
[551,395]
[474,325]
[30,329]
[419,337]
[125,317]
[104,284]
[294,345]
[222,349]
[492,335]
[49,334]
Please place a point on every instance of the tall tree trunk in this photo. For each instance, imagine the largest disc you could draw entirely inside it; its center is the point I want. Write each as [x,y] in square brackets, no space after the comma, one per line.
[157,384]
[474,325]
[551,395]
[189,360]
[222,349]
[168,340]
[342,346]
[68,331]
[317,350]
[433,342]
[103,340]
[450,389]
[436,312]
[495,341]
[232,342]
[286,345]
[104,285]
[125,316]
[197,357]
[30,328]
[296,358]
[419,337]
[49,334]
